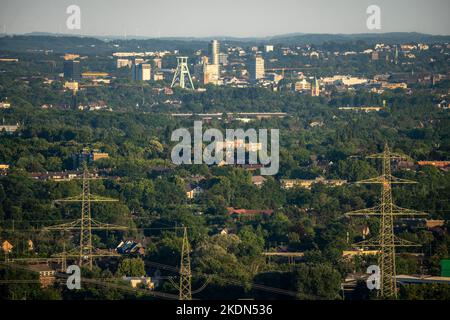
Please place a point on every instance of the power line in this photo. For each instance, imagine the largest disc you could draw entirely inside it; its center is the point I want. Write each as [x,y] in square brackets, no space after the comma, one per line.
[95,281]
[228,280]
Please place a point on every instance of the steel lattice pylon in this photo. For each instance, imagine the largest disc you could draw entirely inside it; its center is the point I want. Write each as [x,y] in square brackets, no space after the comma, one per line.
[85,251]
[181,73]
[185,270]
[86,222]
[387,210]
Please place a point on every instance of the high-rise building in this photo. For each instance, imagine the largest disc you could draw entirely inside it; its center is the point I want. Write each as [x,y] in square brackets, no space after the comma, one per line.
[302,85]
[268,48]
[396,55]
[223,59]
[257,68]
[315,89]
[214,50]
[203,60]
[211,73]
[209,65]
[121,63]
[141,71]
[158,63]
[198,70]
[134,64]
[144,71]
[134,69]
[72,70]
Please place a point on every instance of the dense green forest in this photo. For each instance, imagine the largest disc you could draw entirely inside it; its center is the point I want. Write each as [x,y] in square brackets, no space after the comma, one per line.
[152,195]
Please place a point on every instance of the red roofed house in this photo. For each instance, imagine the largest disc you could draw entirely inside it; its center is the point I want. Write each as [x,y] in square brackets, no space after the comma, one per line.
[232,210]
[438,164]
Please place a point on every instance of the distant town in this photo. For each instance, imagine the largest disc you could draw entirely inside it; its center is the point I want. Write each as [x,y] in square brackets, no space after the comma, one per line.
[277,68]
[88,181]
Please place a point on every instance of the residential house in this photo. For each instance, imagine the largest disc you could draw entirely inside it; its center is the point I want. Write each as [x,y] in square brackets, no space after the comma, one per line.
[4,169]
[437,164]
[431,224]
[193,191]
[258,180]
[7,246]
[47,276]
[130,247]
[136,282]
[245,212]
[224,232]
[5,105]
[9,128]
[55,176]
[307,184]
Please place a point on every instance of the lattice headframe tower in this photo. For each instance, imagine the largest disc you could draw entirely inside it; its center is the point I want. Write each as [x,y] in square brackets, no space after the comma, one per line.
[182,77]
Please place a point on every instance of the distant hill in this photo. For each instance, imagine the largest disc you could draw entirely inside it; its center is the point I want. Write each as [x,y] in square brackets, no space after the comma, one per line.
[59,44]
[92,45]
[390,38]
[107,44]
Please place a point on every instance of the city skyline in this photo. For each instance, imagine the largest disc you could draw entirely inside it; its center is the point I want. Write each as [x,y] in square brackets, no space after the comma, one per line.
[216,19]
[236,169]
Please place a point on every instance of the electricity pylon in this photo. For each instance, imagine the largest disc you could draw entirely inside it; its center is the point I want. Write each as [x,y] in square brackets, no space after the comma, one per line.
[85,252]
[185,286]
[386,241]
[181,74]
[185,270]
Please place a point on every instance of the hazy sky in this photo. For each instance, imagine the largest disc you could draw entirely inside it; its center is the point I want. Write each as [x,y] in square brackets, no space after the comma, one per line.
[240,18]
